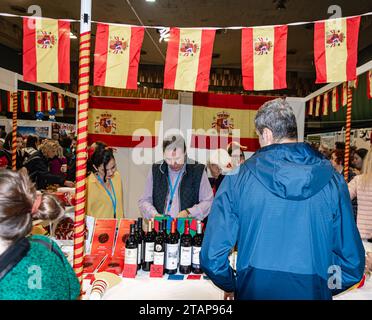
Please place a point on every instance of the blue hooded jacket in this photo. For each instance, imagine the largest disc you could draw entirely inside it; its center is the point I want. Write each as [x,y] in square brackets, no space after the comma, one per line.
[289,213]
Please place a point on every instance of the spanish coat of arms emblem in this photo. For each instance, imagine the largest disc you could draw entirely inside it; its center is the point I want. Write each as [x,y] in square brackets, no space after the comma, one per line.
[118,45]
[105,123]
[188,47]
[223,122]
[45,40]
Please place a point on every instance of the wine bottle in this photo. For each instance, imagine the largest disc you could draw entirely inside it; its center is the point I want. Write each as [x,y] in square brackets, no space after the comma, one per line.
[131,248]
[159,250]
[171,248]
[196,247]
[139,240]
[149,248]
[186,250]
[140,230]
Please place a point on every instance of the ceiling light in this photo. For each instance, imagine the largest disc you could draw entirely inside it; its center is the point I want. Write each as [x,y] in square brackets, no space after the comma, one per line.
[150,0]
[72,36]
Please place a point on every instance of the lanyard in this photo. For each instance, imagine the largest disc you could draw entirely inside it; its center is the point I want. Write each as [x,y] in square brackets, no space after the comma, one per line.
[112,197]
[172,190]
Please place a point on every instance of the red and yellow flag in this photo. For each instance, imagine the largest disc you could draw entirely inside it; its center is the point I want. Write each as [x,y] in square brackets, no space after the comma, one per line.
[10,101]
[61,101]
[25,101]
[344,94]
[336,49]
[369,84]
[325,104]
[219,119]
[48,101]
[117,55]
[317,106]
[189,58]
[264,58]
[335,103]
[310,111]
[124,122]
[39,101]
[46,50]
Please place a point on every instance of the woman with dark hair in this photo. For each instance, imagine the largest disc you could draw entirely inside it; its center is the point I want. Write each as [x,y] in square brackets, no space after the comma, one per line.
[104,186]
[358,158]
[31,267]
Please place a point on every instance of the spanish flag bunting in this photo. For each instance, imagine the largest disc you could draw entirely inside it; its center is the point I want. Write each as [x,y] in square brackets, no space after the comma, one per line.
[48,101]
[369,84]
[218,119]
[25,101]
[344,94]
[335,102]
[325,104]
[46,50]
[39,101]
[10,101]
[317,106]
[336,49]
[264,58]
[117,55]
[188,60]
[124,122]
[310,111]
[61,101]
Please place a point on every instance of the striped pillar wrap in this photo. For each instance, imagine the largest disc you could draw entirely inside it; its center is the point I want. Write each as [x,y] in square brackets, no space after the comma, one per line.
[347,132]
[14,132]
[81,152]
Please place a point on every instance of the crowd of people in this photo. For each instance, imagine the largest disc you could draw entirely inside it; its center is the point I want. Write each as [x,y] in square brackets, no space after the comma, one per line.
[287,209]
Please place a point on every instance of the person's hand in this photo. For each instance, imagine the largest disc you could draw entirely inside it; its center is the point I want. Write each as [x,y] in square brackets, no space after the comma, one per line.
[228,296]
[183,214]
[69,184]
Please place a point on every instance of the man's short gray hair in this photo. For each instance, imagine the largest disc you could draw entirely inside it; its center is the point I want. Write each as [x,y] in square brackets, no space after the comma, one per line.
[277,115]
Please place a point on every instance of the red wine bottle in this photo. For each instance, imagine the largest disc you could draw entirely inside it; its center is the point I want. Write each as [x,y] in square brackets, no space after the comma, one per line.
[139,240]
[140,230]
[186,250]
[159,250]
[149,248]
[131,248]
[171,249]
[196,247]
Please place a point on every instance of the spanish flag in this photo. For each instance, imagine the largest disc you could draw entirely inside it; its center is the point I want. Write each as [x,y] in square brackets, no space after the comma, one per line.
[369,84]
[25,101]
[317,106]
[264,58]
[117,55]
[310,110]
[46,50]
[48,100]
[344,94]
[335,103]
[61,101]
[124,122]
[38,101]
[189,58]
[218,119]
[10,101]
[325,104]
[336,49]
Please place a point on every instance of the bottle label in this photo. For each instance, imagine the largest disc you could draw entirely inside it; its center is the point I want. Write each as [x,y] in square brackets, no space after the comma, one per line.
[196,255]
[159,258]
[172,256]
[139,255]
[149,251]
[130,256]
[185,256]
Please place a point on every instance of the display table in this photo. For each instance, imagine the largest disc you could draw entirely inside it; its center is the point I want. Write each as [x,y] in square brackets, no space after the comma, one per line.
[145,288]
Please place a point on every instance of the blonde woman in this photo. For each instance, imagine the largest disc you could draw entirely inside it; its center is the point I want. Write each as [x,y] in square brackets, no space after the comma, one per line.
[361,187]
[38,169]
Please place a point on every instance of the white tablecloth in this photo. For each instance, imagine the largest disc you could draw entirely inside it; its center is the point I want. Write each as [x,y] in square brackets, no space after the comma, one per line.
[363,293]
[145,288]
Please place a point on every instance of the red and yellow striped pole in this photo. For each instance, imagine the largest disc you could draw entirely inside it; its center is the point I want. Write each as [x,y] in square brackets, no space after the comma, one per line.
[347,133]
[14,131]
[82,135]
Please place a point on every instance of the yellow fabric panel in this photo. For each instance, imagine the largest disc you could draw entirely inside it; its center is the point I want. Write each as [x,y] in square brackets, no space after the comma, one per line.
[203,118]
[126,122]
[188,65]
[336,57]
[47,58]
[118,63]
[264,63]
[99,204]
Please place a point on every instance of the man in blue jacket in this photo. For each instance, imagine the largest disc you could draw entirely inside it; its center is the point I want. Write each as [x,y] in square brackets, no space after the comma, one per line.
[289,213]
